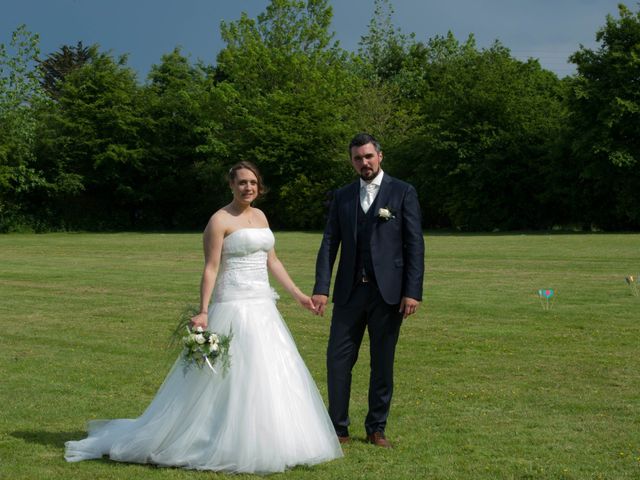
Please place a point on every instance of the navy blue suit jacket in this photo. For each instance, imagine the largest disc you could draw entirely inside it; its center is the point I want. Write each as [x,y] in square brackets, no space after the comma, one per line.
[397,244]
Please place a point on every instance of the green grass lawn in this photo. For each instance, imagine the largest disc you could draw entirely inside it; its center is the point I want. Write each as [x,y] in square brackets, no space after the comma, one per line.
[488,384]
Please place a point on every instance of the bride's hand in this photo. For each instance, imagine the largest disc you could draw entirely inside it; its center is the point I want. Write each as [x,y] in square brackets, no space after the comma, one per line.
[199,320]
[306,302]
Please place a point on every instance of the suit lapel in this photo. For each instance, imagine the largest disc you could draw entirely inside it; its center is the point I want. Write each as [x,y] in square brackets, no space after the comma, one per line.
[382,199]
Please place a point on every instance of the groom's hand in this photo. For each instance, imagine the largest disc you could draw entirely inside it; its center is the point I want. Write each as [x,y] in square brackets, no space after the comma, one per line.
[408,306]
[320,302]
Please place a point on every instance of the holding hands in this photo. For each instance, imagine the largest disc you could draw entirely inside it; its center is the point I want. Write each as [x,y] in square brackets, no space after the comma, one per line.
[408,306]
[305,301]
[320,302]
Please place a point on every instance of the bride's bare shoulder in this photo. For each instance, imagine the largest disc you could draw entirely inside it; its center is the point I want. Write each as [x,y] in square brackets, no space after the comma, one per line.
[219,222]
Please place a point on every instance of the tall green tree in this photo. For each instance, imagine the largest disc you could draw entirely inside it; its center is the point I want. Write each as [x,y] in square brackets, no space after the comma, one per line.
[59,64]
[293,96]
[605,113]
[20,98]
[391,65]
[490,127]
[183,157]
[384,48]
[91,138]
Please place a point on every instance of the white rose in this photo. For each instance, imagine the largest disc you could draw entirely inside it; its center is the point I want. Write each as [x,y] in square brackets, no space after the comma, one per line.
[384,213]
[200,339]
[214,338]
[199,329]
[215,348]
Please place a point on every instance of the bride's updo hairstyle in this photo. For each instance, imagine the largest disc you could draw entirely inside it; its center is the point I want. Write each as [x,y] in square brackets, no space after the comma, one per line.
[262,189]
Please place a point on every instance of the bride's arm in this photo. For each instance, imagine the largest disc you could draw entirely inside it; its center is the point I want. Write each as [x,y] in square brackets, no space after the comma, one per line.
[212,240]
[280,274]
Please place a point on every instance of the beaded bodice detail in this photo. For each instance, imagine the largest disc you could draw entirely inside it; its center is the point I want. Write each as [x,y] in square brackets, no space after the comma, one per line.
[243,268]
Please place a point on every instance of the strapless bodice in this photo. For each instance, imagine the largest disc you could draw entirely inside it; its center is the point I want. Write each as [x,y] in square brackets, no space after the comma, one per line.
[243,267]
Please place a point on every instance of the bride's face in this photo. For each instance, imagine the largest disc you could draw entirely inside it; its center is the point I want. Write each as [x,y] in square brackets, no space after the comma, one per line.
[244,186]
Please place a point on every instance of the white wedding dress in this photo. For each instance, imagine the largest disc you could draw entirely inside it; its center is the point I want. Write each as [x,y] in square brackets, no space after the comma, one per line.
[263,416]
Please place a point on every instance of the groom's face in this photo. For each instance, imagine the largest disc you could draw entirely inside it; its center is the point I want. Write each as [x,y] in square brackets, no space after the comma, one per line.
[366,161]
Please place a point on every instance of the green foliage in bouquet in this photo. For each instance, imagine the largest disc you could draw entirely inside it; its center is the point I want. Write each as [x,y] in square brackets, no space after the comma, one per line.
[201,347]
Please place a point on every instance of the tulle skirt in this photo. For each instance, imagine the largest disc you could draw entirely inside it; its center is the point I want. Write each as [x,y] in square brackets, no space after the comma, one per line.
[265,415]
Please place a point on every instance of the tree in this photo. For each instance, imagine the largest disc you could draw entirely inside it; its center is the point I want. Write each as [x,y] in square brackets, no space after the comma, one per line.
[20,97]
[91,142]
[182,154]
[384,48]
[58,65]
[292,96]
[490,124]
[391,66]
[605,113]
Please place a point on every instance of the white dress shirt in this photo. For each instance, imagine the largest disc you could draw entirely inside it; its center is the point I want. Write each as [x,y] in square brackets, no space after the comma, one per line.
[369,191]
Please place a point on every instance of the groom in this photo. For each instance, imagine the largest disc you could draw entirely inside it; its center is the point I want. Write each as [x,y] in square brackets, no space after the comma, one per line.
[376,221]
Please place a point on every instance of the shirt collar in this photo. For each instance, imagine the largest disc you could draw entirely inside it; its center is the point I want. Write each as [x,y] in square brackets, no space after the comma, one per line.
[376,181]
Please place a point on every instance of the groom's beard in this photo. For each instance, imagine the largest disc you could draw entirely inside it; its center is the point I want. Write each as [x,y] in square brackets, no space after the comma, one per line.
[368,174]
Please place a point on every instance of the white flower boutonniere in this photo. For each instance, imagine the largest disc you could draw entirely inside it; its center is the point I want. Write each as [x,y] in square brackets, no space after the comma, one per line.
[386,214]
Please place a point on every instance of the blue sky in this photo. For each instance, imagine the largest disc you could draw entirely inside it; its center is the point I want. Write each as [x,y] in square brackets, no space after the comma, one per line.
[549,30]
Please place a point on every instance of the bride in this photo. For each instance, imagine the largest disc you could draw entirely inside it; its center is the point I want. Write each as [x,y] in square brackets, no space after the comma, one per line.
[265,414]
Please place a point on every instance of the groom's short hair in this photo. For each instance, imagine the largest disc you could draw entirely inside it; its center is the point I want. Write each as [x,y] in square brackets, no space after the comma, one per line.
[362,139]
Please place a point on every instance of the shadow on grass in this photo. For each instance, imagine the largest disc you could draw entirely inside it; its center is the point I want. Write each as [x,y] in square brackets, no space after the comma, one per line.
[55,439]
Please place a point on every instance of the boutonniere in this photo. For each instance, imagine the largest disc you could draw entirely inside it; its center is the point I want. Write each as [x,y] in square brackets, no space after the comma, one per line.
[386,214]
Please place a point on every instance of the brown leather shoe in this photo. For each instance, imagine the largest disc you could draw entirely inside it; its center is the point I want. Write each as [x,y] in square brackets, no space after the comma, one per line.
[343,439]
[379,440]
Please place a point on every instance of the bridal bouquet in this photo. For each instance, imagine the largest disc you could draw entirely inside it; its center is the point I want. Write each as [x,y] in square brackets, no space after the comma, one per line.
[202,347]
